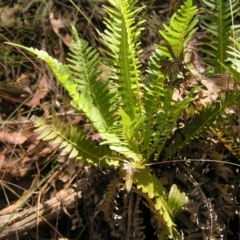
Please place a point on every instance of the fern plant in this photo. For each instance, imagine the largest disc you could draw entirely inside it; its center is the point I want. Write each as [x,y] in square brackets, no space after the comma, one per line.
[218,21]
[133,112]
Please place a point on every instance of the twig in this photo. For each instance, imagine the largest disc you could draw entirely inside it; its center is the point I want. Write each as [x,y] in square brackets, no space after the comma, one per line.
[25,220]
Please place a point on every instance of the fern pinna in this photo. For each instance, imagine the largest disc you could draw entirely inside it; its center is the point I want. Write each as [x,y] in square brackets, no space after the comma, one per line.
[133,112]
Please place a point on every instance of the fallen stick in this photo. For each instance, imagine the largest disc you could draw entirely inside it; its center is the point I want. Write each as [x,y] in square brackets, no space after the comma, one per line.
[25,220]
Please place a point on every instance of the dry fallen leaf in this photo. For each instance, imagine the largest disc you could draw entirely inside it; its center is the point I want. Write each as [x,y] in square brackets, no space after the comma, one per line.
[14,137]
[43,88]
[3,158]
[68,172]
[7,15]
[59,27]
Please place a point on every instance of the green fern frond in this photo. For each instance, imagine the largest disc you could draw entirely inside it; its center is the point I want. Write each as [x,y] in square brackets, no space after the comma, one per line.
[217,20]
[154,90]
[210,116]
[81,98]
[162,209]
[167,119]
[82,101]
[175,200]
[158,99]
[175,204]
[72,142]
[154,189]
[234,59]
[61,71]
[180,30]
[83,60]
[84,64]
[129,130]
[122,41]
[226,136]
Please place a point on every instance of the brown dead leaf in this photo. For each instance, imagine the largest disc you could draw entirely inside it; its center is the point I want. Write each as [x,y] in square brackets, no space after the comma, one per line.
[176,95]
[222,170]
[3,159]
[36,146]
[77,120]
[164,180]
[19,167]
[212,92]
[7,15]
[68,172]
[47,151]
[104,70]
[59,26]
[43,88]
[14,137]
[97,137]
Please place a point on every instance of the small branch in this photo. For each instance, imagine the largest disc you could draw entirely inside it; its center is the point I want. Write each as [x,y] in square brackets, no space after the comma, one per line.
[27,219]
